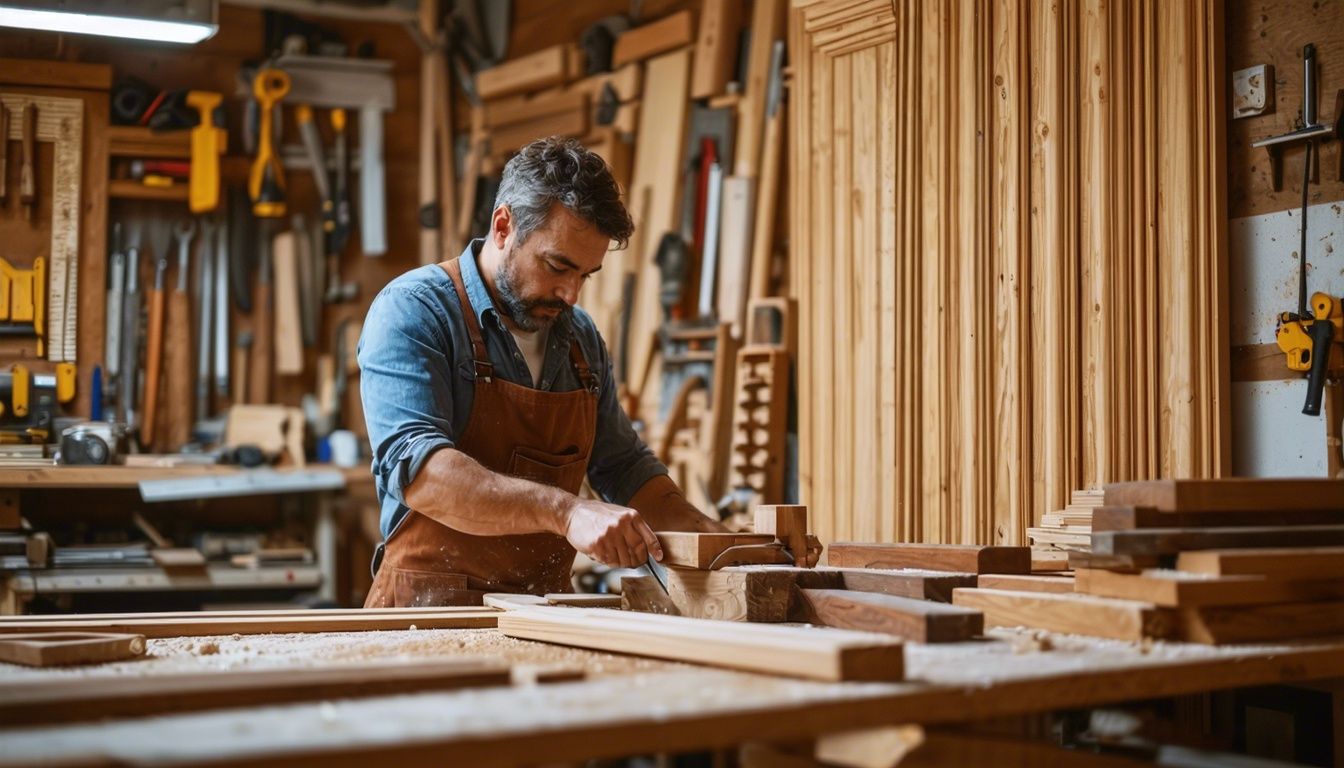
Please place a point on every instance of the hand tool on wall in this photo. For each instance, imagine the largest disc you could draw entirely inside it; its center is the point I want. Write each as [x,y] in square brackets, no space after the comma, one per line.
[27,173]
[312,144]
[263,334]
[153,352]
[372,185]
[340,232]
[221,305]
[116,289]
[130,335]
[4,152]
[285,314]
[303,280]
[177,344]
[266,184]
[241,252]
[23,299]
[207,143]
[205,316]
[242,353]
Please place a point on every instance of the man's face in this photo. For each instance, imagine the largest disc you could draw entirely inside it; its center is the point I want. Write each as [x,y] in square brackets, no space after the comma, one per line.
[541,278]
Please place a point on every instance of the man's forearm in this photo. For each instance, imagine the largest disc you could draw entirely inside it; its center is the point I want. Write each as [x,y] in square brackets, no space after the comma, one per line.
[457,491]
[662,504]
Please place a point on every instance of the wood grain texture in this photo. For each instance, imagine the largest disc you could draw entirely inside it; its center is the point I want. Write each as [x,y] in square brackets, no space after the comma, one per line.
[1170,541]
[531,72]
[923,621]
[1181,589]
[795,652]
[963,558]
[1074,614]
[653,38]
[1304,563]
[1236,494]
[1261,623]
[733,594]
[1130,518]
[54,649]
[643,594]
[715,47]
[1025,583]
[699,550]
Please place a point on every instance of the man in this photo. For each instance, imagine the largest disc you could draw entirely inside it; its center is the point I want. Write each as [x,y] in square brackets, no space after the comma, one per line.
[489,396]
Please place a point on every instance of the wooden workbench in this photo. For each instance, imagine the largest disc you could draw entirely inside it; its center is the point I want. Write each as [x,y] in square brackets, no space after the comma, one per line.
[627,705]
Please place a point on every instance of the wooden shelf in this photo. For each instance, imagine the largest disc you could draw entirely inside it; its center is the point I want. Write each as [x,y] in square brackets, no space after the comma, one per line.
[134,141]
[214,577]
[129,189]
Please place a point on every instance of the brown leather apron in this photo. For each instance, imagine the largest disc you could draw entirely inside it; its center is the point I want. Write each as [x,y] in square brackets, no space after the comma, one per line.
[542,436]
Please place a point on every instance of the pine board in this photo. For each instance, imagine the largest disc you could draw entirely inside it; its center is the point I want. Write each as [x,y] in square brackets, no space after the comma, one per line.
[51,649]
[1179,589]
[1230,495]
[1130,518]
[935,557]
[1074,614]
[1217,625]
[1304,563]
[1169,541]
[1025,583]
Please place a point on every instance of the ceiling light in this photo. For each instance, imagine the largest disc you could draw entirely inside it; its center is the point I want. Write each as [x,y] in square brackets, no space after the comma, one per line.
[167,21]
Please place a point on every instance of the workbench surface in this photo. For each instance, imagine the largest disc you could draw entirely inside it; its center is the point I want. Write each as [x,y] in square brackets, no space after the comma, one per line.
[627,704]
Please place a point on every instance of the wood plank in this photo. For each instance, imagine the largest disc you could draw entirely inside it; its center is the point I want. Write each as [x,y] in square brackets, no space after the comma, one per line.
[1217,625]
[52,649]
[1074,614]
[834,655]
[767,26]
[532,72]
[962,558]
[734,283]
[1169,541]
[732,594]
[1128,563]
[70,701]
[288,326]
[1025,583]
[521,109]
[923,621]
[512,137]
[715,47]
[1180,589]
[149,626]
[1304,563]
[1235,494]
[509,601]
[577,600]
[1130,518]
[787,523]
[55,74]
[649,40]
[912,583]
[699,550]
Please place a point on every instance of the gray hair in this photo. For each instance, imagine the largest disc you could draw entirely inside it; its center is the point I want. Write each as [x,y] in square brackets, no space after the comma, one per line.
[559,170]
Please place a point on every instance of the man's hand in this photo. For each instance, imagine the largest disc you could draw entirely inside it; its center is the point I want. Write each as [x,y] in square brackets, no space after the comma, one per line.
[610,533]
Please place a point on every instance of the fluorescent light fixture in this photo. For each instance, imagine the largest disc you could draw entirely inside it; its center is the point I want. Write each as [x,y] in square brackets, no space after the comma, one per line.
[167,21]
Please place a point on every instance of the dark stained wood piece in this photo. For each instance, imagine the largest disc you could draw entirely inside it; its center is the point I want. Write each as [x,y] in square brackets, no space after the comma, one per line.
[923,621]
[961,558]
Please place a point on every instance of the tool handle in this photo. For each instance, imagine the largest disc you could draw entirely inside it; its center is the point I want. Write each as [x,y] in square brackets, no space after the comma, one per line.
[263,341]
[153,366]
[177,373]
[1322,332]
[312,144]
[130,356]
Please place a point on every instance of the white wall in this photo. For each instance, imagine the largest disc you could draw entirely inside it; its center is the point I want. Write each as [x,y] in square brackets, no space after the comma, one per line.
[1270,435]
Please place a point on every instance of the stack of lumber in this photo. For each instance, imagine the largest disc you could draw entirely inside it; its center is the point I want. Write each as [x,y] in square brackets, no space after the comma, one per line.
[1206,561]
[1068,529]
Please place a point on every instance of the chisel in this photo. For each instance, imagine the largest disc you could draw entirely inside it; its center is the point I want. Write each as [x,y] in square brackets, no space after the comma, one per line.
[116,288]
[130,335]
[153,352]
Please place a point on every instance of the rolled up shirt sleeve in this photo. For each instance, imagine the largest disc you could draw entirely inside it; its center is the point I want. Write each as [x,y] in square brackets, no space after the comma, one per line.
[621,463]
[406,382]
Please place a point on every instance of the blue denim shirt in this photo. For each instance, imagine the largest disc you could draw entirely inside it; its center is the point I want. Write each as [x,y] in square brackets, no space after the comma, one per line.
[417,382]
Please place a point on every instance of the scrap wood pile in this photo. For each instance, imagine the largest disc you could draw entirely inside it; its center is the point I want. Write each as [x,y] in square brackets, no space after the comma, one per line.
[1069,529]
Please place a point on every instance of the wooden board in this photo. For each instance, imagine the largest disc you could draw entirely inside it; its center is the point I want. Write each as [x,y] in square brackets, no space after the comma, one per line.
[661,36]
[834,655]
[1025,583]
[1261,623]
[923,621]
[732,594]
[178,558]
[584,600]
[699,550]
[787,523]
[1230,495]
[1130,518]
[521,109]
[962,558]
[151,626]
[288,326]
[69,701]
[913,583]
[1304,563]
[508,601]
[1074,614]
[50,649]
[1177,588]
[517,135]
[715,47]
[1130,563]
[736,219]
[1169,541]
[526,73]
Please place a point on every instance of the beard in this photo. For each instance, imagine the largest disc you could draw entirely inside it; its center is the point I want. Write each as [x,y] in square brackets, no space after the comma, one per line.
[520,308]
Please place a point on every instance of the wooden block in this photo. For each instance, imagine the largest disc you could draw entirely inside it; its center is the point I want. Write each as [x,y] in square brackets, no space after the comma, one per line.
[1230,495]
[962,558]
[508,601]
[1304,563]
[917,584]
[1181,589]
[1130,518]
[1169,541]
[1025,583]
[69,701]
[1049,559]
[651,39]
[699,550]
[522,109]
[50,649]
[1074,614]
[923,621]
[185,558]
[275,429]
[577,600]
[1216,625]
[518,135]
[38,550]
[732,594]
[643,594]
[787,523]
[532,72]
[832,655]
[716,47]
[1129,563]
[288,326]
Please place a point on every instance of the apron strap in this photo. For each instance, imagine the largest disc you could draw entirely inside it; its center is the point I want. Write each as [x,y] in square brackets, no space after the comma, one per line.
[479,358]
[587,379]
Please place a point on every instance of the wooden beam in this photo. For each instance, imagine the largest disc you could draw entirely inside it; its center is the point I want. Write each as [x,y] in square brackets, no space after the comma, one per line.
[522,109]
[732,594]
[787,523]
[1179,589]
[52,649]
[150,626]
[518,135]
[1025,582]
[1130,518]
[716,47]
[1128,563]
[1217,625]
[649,40]
[832,655]
[917,584]
[699,550]
[963,558]
[1229,495]
[1169,541]
[532,72]
[55,74]
[1305,563]
[1077,614]
[89,699]
[576,600]
[923,621]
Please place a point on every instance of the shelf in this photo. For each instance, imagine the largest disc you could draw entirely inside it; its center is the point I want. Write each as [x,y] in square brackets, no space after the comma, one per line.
[134,141]
[214,577]
[129,189]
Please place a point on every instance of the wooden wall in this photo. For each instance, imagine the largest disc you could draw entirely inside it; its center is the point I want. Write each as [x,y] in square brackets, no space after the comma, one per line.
[1009,255]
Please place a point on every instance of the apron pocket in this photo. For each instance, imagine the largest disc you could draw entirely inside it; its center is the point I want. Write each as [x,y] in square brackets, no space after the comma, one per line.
[412,589]
[561,470]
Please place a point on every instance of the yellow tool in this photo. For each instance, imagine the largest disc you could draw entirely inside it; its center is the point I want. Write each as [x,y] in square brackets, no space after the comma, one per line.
[23,301]
[207,143]
[65,382]
[266,185]
[1314,345]
[28,406]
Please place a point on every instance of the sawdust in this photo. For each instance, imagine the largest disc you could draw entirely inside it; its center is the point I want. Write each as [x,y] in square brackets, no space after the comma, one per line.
[207,649]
